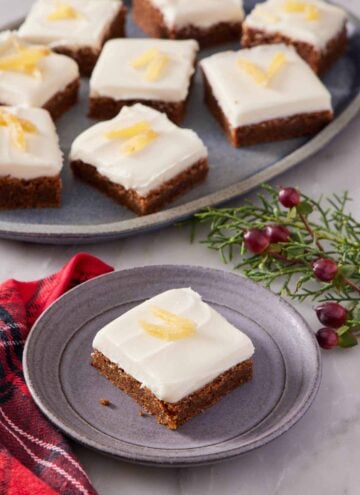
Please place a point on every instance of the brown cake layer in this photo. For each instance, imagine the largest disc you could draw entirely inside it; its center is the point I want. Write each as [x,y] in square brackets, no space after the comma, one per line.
[155,200]
[42,192]
[270,130]
[319,61]
[150,19]
[63,100]
[175,414]
[104,108]
[86,57]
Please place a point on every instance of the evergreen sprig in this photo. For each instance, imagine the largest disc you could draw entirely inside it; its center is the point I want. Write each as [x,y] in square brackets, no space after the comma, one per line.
[323,228]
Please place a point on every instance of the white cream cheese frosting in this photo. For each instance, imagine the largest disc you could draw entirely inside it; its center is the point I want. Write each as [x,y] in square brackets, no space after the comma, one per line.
[174,369]
[272,17]
[18,88]
[116,77]
[173,151]
[200,13]
[41,157]
[87,29]
[294,89]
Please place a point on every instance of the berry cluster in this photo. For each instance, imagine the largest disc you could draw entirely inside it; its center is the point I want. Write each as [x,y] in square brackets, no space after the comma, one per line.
[330,314]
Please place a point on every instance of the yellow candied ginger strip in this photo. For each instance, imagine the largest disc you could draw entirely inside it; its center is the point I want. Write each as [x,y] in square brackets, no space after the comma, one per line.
[153,61]
[156,68]
[128,132]
[145,58]
[26,60]
[174,328]
[254,71]
[310,11]
[17,128]
[62,12]
[276,64]
[259,75]
[294,6]
[139,142]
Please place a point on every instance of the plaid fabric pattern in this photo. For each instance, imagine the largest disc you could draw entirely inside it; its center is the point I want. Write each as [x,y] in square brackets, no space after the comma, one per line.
[34,456]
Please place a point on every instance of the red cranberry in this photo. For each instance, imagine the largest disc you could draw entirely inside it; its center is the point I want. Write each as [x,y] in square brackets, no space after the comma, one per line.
[277,233]
[325,269]
[327,338]
[331,314]
[256,241]
[289,197]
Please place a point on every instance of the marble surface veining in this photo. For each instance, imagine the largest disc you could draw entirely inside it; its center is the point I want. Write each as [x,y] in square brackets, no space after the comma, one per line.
[319,456]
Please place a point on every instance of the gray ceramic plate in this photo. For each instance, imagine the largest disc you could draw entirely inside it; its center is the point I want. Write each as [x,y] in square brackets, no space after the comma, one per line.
[67,389]
[88,216]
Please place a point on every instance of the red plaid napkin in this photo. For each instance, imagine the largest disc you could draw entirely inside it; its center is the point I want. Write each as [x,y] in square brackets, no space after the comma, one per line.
[35,459]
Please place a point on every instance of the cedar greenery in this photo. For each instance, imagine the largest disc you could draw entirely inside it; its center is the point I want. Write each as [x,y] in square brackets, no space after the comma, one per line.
[322,228]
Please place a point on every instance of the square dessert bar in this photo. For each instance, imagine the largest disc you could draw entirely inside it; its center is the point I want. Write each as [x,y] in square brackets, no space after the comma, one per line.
[140,159]
[174,354]
[208,21]
[34,76]
[149,71]
[266,93]
[30,159]
[77,28]
[315,28]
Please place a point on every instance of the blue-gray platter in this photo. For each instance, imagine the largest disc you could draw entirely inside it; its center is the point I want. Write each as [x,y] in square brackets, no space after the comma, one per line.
[68,389]
[89,216]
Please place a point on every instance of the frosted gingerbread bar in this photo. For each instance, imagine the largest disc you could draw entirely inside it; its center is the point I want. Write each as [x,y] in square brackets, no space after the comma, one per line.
[210,22]
[34,76]
[266,93]
[315,28]
[77,28]
[175,355]
[153,72]
[140,159]
[30,159]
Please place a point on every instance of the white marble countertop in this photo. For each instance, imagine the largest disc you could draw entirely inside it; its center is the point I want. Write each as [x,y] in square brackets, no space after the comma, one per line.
[320,454]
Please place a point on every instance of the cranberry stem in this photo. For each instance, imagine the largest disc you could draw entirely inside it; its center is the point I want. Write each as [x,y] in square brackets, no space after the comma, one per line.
[281,257]
[348,282]
[351,284]
[311,232]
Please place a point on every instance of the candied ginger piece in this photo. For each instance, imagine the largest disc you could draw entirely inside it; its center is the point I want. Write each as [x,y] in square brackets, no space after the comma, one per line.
[139,142]
[17,128]
[276,64]
[175,327]
[64,11]
[310,11]
[26,60]
[128,132]
[154,62]
[156,68]
[259,75]
[145,58]
[254,71]
[294,6]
